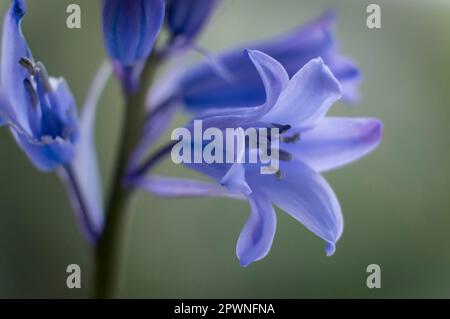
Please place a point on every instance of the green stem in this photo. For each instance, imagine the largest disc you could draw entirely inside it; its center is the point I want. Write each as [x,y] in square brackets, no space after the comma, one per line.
[111,247]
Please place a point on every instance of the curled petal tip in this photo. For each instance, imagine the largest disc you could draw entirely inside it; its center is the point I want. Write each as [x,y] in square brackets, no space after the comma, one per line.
[249,52]
[252,55]
[258,233]
[374,131]
[319,61]
[332,77]
[314,87]
[341,141]
[246,259]
[244,264]
[330,249]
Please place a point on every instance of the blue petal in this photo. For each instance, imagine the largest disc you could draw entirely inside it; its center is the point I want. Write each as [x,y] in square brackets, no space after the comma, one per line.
[186,19]
[51,147]
[64,108]
[203,88]
[14,47]
[336,142]
[307,99]
[171,187]
[273,75]
[4,103]
[44,125]
[131,27]
[349,76]
[45,154]
[257,235]
[275,80]
[306,196]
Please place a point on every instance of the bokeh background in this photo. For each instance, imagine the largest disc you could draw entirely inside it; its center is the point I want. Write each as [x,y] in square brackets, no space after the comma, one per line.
[396,202]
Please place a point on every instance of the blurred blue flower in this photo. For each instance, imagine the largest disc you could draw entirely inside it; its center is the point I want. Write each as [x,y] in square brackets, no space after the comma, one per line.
[130,30]
[202,86]
[186,19]
[40,110]
[311,143]
[42,116]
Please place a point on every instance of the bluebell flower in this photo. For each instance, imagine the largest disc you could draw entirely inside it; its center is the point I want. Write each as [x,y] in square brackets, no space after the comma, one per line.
[186,19]
[40,110]
[202,87]
[230,80]
[311,143]
[130,30]
[42,116]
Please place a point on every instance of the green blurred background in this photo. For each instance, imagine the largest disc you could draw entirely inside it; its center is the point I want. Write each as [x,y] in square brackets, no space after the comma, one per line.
[396,202]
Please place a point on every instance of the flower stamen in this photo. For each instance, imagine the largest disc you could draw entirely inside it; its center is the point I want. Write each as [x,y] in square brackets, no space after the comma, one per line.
[292,139]
[28,64]
[282,128]
[42,71]
[32,94]
[279,175]
[285,156]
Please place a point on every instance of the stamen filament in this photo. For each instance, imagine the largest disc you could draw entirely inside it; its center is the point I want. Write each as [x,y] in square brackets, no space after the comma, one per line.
[28,64]
[279,175]
[292,139]
[282,128]
[285,156]
[44,76]
[34,99]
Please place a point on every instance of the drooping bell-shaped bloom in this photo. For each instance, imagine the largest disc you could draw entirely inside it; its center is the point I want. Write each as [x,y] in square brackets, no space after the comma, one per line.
[130,30]
[42,116]
[186,19]
[40,110]
[230,79]
[310,143]
[202,87]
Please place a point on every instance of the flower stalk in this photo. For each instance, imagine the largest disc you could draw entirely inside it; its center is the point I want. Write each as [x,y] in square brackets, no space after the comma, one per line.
[111,246]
